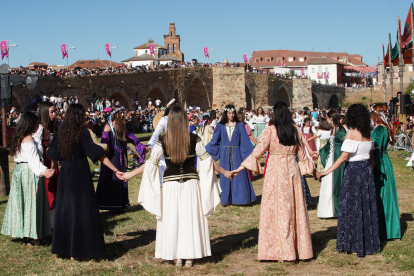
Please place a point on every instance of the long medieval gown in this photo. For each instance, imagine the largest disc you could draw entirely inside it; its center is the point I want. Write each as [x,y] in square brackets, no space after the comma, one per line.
[112,193]
[232,146]
[387,199]
[284,231]
[78,229]
[331,184]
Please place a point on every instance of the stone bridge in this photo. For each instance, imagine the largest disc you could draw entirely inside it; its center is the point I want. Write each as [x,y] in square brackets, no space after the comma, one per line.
[205,87]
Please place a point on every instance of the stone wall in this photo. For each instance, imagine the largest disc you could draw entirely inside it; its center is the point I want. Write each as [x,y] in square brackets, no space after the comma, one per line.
[228,87]
[328,95]
[302,92]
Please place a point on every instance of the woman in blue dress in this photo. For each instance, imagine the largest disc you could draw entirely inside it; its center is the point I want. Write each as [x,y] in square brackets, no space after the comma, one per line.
[232,146]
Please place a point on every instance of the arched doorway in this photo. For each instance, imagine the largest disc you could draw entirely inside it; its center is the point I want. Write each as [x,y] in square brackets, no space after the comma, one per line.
[314,101]
[155,94]
[283,96]
[118,97]
[197,96]
[333,102]
[249,99]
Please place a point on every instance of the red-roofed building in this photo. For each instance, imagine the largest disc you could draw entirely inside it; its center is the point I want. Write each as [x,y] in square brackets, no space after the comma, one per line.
[283,61]
[34,65]
[94,63]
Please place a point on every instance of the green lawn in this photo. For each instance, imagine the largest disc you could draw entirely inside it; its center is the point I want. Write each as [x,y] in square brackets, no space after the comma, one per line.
[130,242]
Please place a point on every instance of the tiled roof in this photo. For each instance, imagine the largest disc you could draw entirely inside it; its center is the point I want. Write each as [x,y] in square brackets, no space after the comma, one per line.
[323,60]
[272,58]
[167,57]
[141,57]
[37,64]
[147,45]
[92,63]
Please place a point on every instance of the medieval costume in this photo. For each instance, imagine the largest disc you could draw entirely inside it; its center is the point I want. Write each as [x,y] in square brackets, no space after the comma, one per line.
[232,146]
[112,193]
[77,230]
[284,231]
[183,204]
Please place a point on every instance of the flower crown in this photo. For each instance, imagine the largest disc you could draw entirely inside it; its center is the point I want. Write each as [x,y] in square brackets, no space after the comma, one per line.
[110,118]
[170,102]
[230,109]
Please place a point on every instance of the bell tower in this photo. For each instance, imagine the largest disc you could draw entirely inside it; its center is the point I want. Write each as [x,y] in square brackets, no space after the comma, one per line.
[172,43]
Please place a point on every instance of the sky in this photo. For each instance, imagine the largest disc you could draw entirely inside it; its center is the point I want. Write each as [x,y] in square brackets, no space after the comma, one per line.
[231,27]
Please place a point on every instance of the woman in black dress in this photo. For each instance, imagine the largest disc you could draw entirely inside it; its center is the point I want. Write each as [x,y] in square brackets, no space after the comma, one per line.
[77,230]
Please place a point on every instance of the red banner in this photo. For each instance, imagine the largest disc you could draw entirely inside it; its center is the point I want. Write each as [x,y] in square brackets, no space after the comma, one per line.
[406,36]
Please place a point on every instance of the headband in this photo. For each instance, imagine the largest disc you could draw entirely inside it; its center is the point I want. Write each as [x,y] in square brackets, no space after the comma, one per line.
[229,109]
[110,118]
[170,102]
[383,117]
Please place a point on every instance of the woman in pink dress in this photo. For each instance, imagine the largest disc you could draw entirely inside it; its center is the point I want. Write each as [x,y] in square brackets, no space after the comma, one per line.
[284,231]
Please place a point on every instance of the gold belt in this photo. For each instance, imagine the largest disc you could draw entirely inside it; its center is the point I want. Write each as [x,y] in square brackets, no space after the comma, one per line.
[282,153]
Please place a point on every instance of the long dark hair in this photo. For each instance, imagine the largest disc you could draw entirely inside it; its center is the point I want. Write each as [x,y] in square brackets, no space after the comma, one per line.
[70,130]
[286,131]
[27,125]
[44,119]
[224,119]
[336,120]
[358,117]
[119,124]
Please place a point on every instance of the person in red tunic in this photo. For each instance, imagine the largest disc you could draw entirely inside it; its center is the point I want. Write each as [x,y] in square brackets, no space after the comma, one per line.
[46,115]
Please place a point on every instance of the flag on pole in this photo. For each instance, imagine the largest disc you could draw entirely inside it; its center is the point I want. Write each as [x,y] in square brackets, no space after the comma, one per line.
[206,52]
[245,58]
[3,46]
[302,70]
[108,50]
[406,36]
[64,52]
[152,52]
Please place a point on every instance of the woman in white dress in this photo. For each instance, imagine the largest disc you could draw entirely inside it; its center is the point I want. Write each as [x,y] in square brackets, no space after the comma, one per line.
[259,122]
[187,197]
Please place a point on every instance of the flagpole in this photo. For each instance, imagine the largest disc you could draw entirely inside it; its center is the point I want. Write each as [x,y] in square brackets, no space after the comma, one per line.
[8,53]
[400,57]
[384,75]
[391,66]
[110,56]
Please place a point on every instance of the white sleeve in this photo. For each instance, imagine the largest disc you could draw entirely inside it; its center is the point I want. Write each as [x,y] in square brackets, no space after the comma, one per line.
[38,137]
[350,146]
[150,190]
[29,153]
[157,132]
[209,186]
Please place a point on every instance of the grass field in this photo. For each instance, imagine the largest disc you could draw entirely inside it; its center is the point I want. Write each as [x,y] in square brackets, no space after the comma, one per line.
[130,243]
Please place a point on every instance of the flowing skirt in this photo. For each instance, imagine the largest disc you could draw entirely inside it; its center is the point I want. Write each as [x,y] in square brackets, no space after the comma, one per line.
[326,205]
[182,231]
[305,187]
[259,130]
[358,229]
[27,211]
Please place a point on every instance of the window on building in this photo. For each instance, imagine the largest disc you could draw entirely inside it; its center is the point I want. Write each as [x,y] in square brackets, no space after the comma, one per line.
[301,59]
[313,70]
[326,69]
[319,69]
[81,62]
[257,59]
[146,51]
[91,62]
[171,33]
[291,59]
[268,59]
[174,48]
[169,48]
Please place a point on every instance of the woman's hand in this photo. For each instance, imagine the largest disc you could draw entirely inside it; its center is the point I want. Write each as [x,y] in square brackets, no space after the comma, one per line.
[229,175]
[147,149]
[120,175]
[127,176]
[49,173]
[314,154]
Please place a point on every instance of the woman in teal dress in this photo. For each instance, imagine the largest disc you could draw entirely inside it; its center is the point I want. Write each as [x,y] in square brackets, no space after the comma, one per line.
[387,199]
[27,211]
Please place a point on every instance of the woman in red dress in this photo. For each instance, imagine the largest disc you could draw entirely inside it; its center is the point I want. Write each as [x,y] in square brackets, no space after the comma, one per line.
[47,119]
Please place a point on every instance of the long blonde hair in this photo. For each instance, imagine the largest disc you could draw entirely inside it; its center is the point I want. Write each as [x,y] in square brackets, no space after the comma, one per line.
[177,138]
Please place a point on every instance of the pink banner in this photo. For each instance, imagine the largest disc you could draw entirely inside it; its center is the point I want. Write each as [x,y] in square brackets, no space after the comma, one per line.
[206,52]
[245,58]
[108,50]
[152,52]
[326,75]
[302,70]
[281,64]
[3,46]
[64,52]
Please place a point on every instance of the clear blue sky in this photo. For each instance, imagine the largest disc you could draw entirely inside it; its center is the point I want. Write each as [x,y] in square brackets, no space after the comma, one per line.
[231,27]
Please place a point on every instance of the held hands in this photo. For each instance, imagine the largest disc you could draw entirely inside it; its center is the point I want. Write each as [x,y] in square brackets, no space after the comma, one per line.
[314,154]
[230,175]
[147,149]
[318,175]
[127,176]
[49,173]
[120,175]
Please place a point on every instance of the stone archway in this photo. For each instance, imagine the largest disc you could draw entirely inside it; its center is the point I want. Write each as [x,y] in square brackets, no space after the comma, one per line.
[197,96]
[283,96]
[333,102]
[155,94]
[118,97]
[249,98]
[314,101]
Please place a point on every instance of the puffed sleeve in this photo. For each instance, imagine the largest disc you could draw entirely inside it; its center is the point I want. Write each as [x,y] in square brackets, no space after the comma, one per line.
[350,146]
[92,148]
[30,154]
[139,147]
[213,148]
[38,137]
[252,162]
[246,146]
[248,130]
[157,132]
[150,190]
[209,186]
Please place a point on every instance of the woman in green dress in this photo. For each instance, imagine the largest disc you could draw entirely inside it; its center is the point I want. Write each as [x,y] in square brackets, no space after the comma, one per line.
[387,199]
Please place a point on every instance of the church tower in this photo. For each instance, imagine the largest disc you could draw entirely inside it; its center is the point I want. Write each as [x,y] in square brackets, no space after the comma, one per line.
[172,43]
